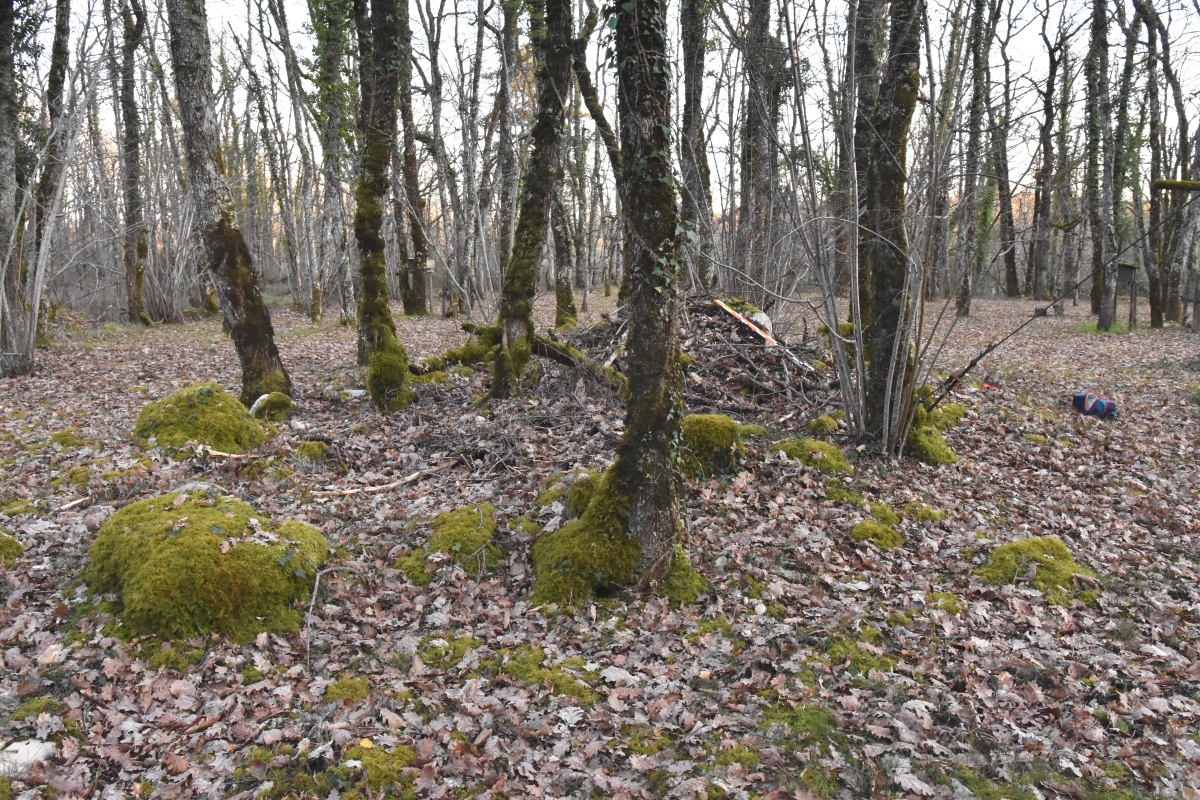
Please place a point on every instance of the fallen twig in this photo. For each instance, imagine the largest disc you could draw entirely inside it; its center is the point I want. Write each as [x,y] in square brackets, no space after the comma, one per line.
[387,486]
[204,449]
[72,504]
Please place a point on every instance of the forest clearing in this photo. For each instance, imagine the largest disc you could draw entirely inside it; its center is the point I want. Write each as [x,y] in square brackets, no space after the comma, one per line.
[810,664]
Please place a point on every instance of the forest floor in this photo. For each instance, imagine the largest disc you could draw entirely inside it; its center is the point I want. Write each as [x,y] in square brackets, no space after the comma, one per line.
[815,666]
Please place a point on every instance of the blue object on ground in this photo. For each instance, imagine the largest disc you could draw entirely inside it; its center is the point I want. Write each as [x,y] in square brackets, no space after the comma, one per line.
[1093,405]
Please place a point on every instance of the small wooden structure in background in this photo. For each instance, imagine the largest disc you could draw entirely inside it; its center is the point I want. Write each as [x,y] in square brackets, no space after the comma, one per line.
[1127,279]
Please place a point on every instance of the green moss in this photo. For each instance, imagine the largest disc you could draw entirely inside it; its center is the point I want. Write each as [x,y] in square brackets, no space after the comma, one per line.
[739,754]
[480,347]
[6,791]
[527,665]
[549,496]
[588,554]
[843,650]
[923,513]
[682,584]
[646,742]
[704,627]
[743,307]
[581,491]
[1194,392]
[442,653]
[251,674]
[277,407]
[188,564]
[821,426]
[76,476]
[712,445]
[884,537]
[10,550]
[898,619]
[387,379]
[885,513]
[817,781]
[819,455]
[807,723]
[1054,567]
[752,432]
[838,493]
[383,769]
[312,452]
[1034,438]
[35,707]
[945,601]
[203,413]
[176,658]
[465,534]
[353,689]
[67,439]
[925,439]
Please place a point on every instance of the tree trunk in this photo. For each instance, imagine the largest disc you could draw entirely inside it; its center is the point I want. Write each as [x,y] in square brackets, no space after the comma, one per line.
[1006,221]
[1155,268]
[1044,177]
[55,85]
[133,19]
[551,34]
[1100,140]
[9,293]
[330,19]
[693,152]
[564,263]
[646,471]
[970,204]
[414,285]
[506,146]
[225,251]
[868,45]
[884,244]
[378,347]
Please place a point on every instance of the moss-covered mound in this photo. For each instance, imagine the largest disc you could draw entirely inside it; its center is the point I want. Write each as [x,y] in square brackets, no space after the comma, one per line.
[1055,571]
[682,584]
[275,407]
[387,379]
[203,413]
[193,563]
[465,534]
[590,554]
[884,537]
[574,489]
[925,439]
[838,493]
[821,426]
[10,550]
[819,455]
[712,445]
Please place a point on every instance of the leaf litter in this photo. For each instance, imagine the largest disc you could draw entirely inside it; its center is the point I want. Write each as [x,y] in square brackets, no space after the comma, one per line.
[815,666]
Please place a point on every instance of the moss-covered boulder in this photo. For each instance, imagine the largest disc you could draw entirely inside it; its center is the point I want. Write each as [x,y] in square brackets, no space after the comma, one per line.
[819,455]
[10,550]
[276,407]
[925,438]
[1054,570]
[203,413]
[712,445]
[465,534]
[193,562]
[822,426]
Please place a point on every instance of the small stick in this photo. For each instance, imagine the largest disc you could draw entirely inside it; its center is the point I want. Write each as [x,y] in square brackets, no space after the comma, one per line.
[205,449]
[72,504]
[393,485]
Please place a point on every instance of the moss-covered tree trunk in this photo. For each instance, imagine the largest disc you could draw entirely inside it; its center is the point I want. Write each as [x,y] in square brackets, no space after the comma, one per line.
[414,285]
[378,347]
[564,263]
[225,252]
[693,153]
[550,30]
[9,293]
[133,19]
[884,244]
[647,469]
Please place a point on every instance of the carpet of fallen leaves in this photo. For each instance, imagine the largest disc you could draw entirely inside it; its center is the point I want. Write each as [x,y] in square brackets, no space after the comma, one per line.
[815,667]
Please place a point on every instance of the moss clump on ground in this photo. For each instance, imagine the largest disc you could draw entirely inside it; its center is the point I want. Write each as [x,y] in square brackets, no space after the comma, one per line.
[354,689]
[275,407]
[925,439]
[383,769]
[35,707]
[77,477]
[818,455]
[67,439]
[575,490]
[465,534]
[752,432]
[528,666]
[387,379]
[838,493]
[184,564]
[14,508]
[203,413]
[806,722]
[712,445]
[682,584]
[10,550]
[945,601]
[821,426]
[1055,570]
[313,452]
[844,650]
[923,513]
[588,554]
[885,513]
[884,537]
[738,754]
[445,653]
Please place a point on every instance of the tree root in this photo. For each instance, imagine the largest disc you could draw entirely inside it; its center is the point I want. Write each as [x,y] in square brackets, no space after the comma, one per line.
[571,356]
